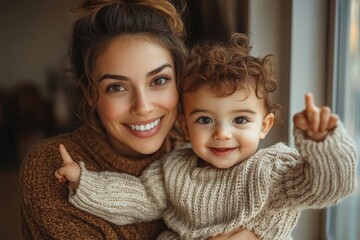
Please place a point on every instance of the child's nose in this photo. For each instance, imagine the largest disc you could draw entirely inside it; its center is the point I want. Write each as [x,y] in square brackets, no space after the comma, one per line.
[222,132]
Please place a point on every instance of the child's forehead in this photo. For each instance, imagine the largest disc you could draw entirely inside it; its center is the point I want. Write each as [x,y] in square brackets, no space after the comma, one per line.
[220,85]
[217,92]
[206,93]
[206,100]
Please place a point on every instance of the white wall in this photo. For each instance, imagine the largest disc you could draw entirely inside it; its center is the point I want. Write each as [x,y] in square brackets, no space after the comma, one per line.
[269,26]
[295,32]
[308,52]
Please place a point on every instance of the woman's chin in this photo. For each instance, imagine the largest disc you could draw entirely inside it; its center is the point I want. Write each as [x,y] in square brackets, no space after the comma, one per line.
[147,150]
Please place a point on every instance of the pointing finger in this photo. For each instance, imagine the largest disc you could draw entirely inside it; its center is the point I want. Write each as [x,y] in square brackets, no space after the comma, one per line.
[65,155]
[309,102]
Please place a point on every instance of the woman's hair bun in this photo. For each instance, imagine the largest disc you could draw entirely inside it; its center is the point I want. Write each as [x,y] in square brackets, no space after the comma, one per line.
[171,11]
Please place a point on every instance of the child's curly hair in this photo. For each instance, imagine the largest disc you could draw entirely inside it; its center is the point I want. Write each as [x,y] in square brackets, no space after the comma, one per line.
[227,67]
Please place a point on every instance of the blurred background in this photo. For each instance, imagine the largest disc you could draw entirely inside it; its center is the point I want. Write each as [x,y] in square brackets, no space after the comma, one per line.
[316,48]
[33,102]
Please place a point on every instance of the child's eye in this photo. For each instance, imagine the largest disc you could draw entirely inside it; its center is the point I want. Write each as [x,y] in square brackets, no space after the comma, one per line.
[160,81]
[240,120]
[204,120]
[114,88]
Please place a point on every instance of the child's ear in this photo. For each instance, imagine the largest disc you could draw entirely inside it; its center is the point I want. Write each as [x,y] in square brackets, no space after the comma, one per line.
[267,124]
[184,128]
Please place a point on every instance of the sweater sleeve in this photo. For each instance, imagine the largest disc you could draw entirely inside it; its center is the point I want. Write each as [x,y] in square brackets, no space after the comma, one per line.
[323,173]
[45,210]
[121,198]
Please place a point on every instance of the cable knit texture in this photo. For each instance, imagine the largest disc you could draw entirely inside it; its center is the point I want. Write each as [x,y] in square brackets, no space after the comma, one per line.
[264,194]
[46,211]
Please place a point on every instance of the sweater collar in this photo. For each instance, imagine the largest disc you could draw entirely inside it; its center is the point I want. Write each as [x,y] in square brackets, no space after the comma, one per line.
[107,158]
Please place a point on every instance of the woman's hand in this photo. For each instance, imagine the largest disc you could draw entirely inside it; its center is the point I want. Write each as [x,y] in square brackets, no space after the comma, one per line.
[315,122]
[69,171]
[236,234]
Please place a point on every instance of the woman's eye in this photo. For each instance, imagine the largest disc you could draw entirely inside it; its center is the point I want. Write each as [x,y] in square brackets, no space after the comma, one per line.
[240,120]
[204,120]
[160,81]
[114,88]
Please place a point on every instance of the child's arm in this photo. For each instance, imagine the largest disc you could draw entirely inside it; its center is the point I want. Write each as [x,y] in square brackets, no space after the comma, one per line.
[315,122]
[325,169]
[116,197]
[69,170]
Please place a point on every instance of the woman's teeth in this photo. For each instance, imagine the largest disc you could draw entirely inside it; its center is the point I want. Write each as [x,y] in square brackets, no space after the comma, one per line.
[145,127]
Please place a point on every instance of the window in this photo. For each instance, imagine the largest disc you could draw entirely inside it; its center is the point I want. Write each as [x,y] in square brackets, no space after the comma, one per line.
[343,220]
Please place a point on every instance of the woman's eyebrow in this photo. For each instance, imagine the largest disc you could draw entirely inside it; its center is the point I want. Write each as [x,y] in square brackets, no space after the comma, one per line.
[159,69]
[114,76]
[124,78]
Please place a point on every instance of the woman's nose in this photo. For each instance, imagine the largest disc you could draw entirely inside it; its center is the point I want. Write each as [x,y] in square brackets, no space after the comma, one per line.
[222,132]
[142,103]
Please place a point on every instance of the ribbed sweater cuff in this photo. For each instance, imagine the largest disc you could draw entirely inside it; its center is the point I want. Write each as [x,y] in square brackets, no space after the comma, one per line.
[332,163]
[335,142]
[87,185]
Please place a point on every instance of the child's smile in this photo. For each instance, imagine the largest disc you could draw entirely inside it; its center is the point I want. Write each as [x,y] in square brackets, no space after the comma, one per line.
[222,151]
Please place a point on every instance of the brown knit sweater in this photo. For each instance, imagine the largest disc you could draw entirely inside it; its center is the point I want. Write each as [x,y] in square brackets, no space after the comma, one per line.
[45,210]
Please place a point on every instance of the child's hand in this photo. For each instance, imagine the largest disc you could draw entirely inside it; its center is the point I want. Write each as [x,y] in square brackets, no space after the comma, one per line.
[69,170]
[236,234]
[315,122]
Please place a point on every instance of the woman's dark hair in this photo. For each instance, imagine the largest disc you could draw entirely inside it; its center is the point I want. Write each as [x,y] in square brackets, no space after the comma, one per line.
[101,21]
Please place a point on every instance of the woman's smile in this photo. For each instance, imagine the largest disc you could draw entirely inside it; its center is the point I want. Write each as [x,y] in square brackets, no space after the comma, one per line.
[145,129]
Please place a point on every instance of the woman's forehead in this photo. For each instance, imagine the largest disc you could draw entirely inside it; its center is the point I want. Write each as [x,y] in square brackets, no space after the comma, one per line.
[132,55]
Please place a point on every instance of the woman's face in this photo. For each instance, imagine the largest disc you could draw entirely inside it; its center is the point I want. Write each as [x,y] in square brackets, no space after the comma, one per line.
[138,102]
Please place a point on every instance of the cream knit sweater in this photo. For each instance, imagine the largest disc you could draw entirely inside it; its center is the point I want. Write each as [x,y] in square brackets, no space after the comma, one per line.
[263,194]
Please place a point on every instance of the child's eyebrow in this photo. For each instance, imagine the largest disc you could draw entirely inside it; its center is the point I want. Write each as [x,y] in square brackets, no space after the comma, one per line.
[237,111]
[198,110]
[250,111]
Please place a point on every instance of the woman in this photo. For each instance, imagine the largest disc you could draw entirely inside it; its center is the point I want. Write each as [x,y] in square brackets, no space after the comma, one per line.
[126,56]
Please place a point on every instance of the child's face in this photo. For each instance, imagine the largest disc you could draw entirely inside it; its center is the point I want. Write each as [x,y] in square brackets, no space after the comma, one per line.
[225,131]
